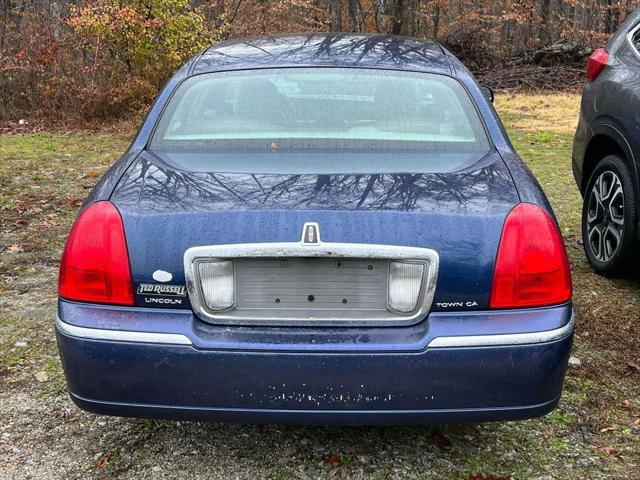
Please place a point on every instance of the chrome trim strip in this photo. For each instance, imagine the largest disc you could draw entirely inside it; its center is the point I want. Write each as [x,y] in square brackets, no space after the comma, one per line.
[504,339]
[438,342]
[320,250]
[121,335]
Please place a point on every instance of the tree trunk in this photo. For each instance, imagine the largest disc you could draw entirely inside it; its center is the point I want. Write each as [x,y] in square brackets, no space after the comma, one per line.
[335,12]
[396,18]
[381,19]
[544,34]
[404,17]
[410,20]
[436,21]
[355,16]
[609,21]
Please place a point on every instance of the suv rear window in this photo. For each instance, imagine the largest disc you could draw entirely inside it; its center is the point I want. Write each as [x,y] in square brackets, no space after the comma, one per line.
[305,109]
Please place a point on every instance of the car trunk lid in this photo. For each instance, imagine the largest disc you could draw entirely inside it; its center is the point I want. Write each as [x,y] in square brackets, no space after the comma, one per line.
[459,215]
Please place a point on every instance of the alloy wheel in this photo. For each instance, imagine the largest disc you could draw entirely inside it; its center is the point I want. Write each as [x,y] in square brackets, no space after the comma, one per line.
[605,216]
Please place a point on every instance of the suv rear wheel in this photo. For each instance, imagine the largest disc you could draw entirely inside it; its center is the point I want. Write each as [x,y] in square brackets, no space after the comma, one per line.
[609,216]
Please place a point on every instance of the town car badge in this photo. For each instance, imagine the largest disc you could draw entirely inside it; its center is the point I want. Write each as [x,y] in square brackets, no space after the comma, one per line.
[311,234]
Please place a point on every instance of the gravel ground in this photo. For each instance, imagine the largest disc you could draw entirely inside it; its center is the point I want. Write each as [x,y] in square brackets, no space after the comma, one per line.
[595,433]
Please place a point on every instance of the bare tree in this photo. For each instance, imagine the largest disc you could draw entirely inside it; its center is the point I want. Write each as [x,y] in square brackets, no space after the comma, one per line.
[381,12]
[404,17]
[545,13]
[355,16]
[436,19]
[335,12]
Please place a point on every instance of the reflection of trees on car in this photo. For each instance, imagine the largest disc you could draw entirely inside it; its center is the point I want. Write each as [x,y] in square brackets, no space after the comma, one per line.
[194,191]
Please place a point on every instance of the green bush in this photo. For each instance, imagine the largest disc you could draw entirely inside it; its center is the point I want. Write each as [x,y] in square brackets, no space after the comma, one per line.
[132,48]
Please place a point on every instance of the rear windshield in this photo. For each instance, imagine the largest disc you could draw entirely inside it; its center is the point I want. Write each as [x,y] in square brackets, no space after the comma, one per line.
[224,121]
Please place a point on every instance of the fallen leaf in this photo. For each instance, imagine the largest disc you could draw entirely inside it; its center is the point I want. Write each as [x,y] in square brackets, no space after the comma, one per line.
[15,248]
[41,376]
[337,472]
[441,440]
[332,459]
[90,175]
[103,461]
[607,429]
[634,366]
[609,451]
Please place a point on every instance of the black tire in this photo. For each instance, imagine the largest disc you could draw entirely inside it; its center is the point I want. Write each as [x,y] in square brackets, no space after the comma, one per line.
[609,218]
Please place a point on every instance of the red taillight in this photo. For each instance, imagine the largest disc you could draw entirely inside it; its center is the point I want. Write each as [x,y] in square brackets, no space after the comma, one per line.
[95,263]
[596,63]
[531,268]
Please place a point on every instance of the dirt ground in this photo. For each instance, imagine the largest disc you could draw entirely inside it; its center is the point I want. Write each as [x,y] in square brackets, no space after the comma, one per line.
[595,433]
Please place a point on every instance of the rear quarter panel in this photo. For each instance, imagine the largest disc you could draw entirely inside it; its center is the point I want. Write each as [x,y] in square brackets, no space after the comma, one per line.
[611,106]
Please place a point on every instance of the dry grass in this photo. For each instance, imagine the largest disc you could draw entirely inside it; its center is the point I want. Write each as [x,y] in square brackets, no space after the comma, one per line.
[549,112]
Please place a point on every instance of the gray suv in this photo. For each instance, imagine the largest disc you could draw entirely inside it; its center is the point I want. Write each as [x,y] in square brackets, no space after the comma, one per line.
[606,152]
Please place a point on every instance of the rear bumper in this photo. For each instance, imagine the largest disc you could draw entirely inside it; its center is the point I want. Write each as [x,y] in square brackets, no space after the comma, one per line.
[430,378]
[315,417]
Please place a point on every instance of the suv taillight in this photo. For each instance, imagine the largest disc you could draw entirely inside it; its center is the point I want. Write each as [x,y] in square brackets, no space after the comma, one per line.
[596,63]
[95,263]
[531,268]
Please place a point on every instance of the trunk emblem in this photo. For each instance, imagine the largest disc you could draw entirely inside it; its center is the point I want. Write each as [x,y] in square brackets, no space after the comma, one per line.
[310,234]
[162,276]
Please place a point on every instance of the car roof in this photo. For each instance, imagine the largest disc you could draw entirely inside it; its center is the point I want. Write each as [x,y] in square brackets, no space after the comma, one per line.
[325,49]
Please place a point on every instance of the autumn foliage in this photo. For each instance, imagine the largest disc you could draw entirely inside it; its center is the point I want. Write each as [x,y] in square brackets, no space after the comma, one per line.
[82,59]
[132,47]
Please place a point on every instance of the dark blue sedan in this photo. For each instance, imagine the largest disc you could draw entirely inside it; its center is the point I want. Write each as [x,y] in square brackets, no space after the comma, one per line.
[317,229]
